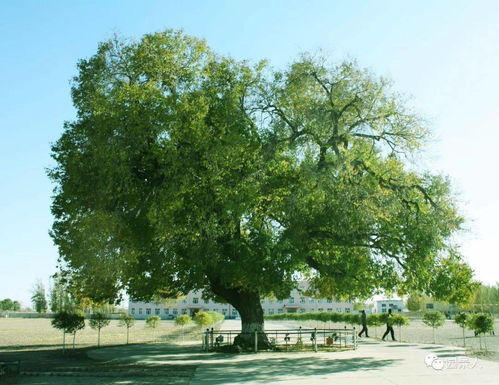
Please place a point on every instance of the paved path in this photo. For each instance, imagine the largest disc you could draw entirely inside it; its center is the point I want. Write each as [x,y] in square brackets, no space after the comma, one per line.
[373,363]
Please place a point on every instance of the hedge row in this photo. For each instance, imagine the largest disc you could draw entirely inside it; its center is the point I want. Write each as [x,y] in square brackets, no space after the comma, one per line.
[348,318]
[202,318]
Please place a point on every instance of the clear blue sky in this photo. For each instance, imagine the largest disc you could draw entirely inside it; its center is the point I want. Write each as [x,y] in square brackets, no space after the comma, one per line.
[443,53]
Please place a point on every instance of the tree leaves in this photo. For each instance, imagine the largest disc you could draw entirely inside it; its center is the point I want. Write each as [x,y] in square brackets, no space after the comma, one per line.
[186,168]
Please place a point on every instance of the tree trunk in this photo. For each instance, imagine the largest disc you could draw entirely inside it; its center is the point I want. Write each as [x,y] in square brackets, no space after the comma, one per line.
[63,342]
[98,338]
[247,303]
[127,332]
[251,312]
[74,337]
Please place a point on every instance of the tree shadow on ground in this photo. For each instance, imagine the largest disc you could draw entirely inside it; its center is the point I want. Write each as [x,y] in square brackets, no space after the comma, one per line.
[78,360]
[400,345]
[273,370]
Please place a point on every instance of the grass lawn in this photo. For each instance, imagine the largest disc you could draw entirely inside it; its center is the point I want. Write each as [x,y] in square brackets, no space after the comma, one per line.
[39,332]
[38,345]
[449,334]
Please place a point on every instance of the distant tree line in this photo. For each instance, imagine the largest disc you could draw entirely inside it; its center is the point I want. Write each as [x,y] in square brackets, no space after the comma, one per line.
[10,305]
[485,299]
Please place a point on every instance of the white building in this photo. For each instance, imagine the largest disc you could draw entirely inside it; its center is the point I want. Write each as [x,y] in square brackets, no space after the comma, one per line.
[193,302]
[382,306]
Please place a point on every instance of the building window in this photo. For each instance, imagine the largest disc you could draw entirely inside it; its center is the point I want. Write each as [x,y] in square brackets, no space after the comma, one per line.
[224,311]
[140,310]
[195,300]
[329,309]
[320,309]
[319,300]
[279,301]
[234,312]
[156,311]
[291,300]
[148,311]
[206,301]
[329,300]
[271,311]
[279,311]
[133,310]
[184,301]
[184,311]
[167,311]
[302,310]
[302,299]
[338,310]
[175,311]
[347,310]
[312,300]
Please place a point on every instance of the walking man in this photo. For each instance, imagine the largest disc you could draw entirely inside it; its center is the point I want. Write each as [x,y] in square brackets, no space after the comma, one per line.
[389,325]
[363,321]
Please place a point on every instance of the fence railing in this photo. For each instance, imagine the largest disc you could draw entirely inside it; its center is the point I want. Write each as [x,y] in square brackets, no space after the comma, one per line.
[285,339]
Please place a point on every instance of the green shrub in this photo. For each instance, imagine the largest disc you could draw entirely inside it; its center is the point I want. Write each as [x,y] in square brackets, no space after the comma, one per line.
[216,316]
[400,320]
[99,320]
[462,320]
[203,318]
[182,320]
[351,319]
[481,323]
[152,321]
[434,319]
[69,322]
[126,320]
[375,320]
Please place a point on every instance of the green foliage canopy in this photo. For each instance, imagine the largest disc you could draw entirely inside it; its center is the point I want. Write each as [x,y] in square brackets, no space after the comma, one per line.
[400,320]
[434,319]
[182,320]
[153,321]
[98,320]
[374,320]
[203,319]
[186,170]
[461,319]
[481,323]
[126,320]
[8,304]
[68,322]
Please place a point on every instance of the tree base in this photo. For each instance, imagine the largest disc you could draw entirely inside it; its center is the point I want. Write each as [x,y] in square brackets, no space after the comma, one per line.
[246,342]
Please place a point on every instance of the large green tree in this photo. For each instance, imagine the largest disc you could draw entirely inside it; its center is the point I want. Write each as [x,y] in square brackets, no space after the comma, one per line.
[187,170]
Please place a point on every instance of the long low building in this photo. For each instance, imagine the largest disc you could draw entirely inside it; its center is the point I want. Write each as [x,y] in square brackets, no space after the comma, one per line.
[193,302]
